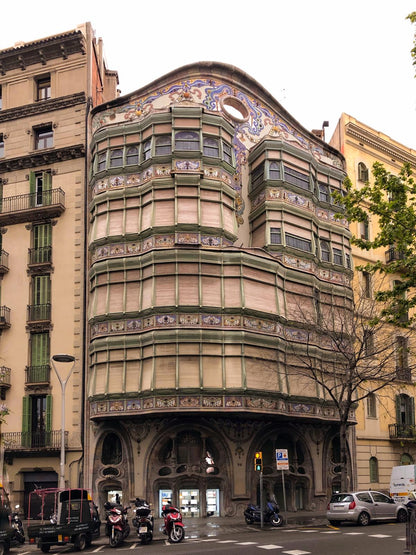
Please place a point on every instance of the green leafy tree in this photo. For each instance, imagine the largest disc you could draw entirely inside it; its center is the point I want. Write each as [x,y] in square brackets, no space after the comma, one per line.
[390,200]
[412,18]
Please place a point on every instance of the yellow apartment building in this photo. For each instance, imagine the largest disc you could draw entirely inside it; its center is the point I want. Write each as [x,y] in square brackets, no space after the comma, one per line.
[47,89]
[385,431]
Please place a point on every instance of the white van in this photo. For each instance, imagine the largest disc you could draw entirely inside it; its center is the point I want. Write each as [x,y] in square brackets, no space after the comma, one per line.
[403,482]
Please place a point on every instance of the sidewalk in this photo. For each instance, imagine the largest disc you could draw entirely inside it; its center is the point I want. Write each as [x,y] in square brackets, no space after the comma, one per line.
[205,527]
[212,527]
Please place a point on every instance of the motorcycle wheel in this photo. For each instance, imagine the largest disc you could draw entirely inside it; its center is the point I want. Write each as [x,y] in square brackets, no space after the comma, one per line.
[249,520]
[146,538]
[177,534]
[114,542]
[276,520]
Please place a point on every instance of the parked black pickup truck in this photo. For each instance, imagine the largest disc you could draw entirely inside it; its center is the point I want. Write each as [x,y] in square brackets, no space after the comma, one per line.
[66,517]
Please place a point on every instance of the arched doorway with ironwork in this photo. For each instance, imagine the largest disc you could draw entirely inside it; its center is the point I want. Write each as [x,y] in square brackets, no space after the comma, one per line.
[112,467]
[290,488]
[189,467]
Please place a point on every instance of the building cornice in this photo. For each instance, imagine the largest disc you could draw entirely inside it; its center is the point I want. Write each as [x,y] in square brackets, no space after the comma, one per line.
[42,51]
[42,158]
[43,107]
[388,148]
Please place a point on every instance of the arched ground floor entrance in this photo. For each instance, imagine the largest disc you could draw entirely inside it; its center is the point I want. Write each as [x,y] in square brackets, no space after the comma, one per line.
[205,464]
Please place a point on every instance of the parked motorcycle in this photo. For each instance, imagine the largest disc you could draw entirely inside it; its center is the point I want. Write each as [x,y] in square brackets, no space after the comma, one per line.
[271,514]
[18,537]
[143,521]
[117,527]
[173,525]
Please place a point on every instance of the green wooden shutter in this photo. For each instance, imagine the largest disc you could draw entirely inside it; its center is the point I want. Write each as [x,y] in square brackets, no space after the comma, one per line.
[411,411]
[47,187]
[42,235]
[26,421]
[398,420]
[32,188]
[41,290]
[39,349]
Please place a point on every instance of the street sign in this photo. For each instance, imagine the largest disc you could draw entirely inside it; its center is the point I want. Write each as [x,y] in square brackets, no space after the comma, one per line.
[282,459]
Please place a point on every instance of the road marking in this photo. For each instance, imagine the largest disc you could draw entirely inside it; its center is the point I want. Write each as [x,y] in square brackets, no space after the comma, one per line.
[270,546]
[247,543]
[353,533]
[98,549]
[296,552]
[308,531]
[210,540]
[133,546]
[228,541]
[331,532]
[379,536]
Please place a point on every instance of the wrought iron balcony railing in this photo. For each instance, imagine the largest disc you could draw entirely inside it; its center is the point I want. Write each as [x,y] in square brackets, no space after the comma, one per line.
[24,441]
[5,374]
[40,256]
[38,374]
[4,262]
[403,374]
[39,312]
[402,431]
[393,254]
[32,206]
[4,317]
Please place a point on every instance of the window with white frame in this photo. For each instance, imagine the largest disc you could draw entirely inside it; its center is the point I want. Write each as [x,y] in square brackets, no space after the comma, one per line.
[43,88]
[43,137]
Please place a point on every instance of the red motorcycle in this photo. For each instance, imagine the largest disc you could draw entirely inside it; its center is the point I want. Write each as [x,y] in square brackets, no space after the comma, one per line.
[173,525]
[117,526]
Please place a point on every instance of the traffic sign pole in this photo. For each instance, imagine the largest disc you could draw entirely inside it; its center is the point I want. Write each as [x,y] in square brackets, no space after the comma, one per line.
[261,499]
[282,462]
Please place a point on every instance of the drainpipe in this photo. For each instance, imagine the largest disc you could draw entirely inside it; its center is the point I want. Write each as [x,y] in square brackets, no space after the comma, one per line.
[84,293]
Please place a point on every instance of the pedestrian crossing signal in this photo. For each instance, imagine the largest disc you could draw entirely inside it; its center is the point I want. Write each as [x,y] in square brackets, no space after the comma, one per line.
[258,461]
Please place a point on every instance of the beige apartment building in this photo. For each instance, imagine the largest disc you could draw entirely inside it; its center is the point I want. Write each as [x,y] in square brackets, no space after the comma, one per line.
[385,431]
[47,89]
[212,227]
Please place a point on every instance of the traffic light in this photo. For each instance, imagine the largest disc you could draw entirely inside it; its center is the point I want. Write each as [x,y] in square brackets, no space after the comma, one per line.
[258,461]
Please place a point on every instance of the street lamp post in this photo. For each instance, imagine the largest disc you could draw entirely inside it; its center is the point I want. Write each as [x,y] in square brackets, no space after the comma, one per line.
[63,382]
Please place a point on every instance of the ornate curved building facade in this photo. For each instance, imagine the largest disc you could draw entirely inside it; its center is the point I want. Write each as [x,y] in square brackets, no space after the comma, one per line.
[212,230]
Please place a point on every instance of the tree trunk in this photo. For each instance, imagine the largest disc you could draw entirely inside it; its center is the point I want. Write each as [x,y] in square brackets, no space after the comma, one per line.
[345,483]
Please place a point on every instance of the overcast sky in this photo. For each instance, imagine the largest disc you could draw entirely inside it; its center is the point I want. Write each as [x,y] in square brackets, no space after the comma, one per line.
[318,58]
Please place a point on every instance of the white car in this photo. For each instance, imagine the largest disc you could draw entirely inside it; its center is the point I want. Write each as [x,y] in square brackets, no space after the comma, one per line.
[364,506]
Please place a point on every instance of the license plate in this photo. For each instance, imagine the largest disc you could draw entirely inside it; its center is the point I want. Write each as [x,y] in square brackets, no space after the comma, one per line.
[339,507]
[142,529]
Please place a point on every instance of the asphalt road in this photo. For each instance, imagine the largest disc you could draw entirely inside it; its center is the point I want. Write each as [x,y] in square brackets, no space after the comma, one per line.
[376,539]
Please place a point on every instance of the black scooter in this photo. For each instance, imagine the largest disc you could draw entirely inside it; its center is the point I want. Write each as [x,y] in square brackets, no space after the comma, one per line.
[18,537]
[143,521]
[271,514]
